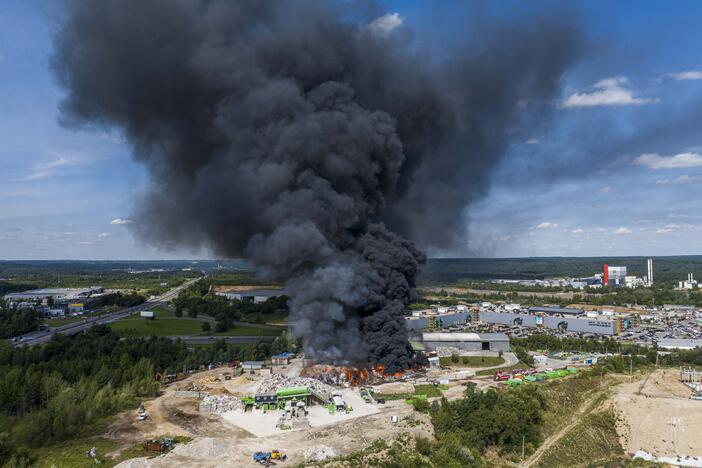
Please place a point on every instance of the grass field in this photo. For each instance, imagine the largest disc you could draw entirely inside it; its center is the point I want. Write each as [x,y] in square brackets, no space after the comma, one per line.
[592,442]
[158,327]
[72,453]
[57,322]
[519,365]
[471,361]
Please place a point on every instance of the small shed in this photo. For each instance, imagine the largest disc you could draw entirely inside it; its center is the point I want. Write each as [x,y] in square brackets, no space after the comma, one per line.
[434,362]
[282,359]
[252,366]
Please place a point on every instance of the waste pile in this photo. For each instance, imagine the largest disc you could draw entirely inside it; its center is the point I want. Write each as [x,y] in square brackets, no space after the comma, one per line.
[220,404]
[275,381]
[319,453]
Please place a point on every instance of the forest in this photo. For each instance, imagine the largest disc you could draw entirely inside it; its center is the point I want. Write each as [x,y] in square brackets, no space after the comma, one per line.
[63,389]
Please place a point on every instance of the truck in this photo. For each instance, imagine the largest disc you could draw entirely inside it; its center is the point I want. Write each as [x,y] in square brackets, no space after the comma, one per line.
[147,314]
[501,377]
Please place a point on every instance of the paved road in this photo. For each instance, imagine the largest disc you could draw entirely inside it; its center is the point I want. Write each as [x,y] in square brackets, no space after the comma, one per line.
[38,337]
[195,340]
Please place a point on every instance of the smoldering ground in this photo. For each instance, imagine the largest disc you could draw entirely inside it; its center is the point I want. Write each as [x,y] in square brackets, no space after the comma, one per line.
[304,137]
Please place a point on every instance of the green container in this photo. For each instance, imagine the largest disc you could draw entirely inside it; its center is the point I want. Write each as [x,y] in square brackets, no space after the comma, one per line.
[514,382]
[551,375]
[530,378]
[539,377]
[293,392]
[572,370]
[563,373]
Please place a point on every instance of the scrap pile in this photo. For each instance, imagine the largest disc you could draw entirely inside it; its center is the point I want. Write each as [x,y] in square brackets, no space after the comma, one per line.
[319,453]
[275,381]
[220,404]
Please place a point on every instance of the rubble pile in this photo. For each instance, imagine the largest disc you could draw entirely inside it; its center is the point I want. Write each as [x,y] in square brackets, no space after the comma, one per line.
[275,381]
[220,404]
[319,453]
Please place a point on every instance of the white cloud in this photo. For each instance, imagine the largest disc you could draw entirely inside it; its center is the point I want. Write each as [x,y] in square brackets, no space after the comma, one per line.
[386,23]
[42,170]
[686,75]
[532,141]
[103,235]
[547,225]
[121,221]
[577,231]
[606,189]
[607,92]
[677,227]
[502,238]
[680,160]
[622,231]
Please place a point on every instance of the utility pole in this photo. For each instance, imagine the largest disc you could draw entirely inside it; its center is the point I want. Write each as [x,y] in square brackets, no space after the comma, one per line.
[522,447]
[631,364]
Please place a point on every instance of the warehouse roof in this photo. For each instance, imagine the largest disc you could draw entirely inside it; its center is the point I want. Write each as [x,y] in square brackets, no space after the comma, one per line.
[464,337]
[557,310]
[674,343]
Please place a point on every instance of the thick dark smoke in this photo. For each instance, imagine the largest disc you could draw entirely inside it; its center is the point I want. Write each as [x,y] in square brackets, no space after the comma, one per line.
[303,137]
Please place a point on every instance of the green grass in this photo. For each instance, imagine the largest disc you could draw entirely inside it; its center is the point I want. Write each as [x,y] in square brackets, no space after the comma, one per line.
[592,442]
[250,331]
[71,453]
[57,322]
[158,327]
[519,365]
[472,361]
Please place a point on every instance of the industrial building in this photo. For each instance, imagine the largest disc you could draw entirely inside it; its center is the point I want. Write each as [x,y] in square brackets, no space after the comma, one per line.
[57,294]
[676,343]
[689,283]
[467,341]
[570,322]
[255,295]
[614,275]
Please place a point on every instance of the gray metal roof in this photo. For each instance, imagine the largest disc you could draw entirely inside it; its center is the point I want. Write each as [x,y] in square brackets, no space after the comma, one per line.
[464,337]
[677,343]
[557,310]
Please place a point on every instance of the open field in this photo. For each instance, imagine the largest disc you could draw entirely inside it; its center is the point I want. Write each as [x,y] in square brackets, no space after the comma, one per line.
[57,322]
[158,327]
[471,361]
[657,415]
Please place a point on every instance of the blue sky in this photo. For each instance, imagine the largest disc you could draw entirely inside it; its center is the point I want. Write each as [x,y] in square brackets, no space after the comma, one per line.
[617,171]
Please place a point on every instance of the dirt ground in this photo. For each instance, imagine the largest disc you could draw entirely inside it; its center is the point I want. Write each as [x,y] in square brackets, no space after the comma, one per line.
[217,441]
[656,415]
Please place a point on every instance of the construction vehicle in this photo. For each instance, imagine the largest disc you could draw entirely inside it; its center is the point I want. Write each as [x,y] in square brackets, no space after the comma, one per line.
[278,455]
[158,446]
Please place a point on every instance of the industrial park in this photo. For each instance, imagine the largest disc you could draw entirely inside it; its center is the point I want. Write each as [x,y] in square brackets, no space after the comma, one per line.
[333,234]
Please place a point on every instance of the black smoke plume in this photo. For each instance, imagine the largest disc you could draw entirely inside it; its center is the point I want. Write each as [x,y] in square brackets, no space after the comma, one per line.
[306,137]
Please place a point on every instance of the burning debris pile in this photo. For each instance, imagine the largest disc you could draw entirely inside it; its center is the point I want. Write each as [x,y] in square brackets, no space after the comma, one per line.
[220,404]
[275,381]
[302,137]
[338,375]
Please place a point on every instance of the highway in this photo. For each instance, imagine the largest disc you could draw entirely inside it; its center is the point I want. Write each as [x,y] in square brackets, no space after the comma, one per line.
[200,340]
[37,337]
